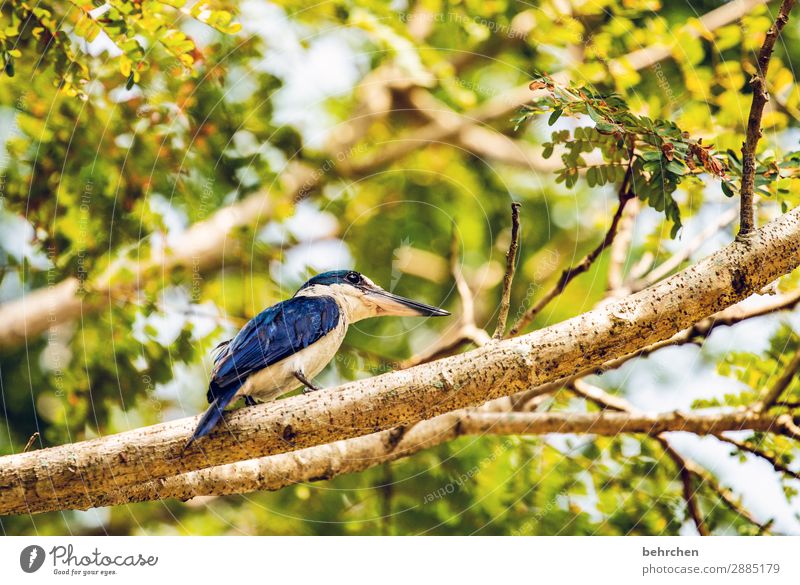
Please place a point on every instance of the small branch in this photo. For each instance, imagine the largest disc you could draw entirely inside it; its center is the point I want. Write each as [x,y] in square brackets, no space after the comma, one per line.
[726,495]
[569,274]
[689,491]
[760,98]
[674,262]
[466,332]
[781,384]
[620,249]
[787,427]
[769,457]
[30,442]
[508,278]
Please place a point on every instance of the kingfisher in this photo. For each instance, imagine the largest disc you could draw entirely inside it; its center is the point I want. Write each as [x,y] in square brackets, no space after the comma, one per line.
[288,344]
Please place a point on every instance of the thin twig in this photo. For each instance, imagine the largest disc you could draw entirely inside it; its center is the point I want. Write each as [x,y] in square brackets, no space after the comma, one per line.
[727,496]
[466,332]
[508,278]
[30,442]
[689,491]
[625,195]
[620,251]
[780,385]
[760,98]
[674,261]
[769,457]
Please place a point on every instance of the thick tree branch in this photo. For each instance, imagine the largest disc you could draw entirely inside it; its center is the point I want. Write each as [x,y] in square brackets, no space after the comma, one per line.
[354,455]
[760,98]
[703,328]
[694,334]
[59,476]
[358,454]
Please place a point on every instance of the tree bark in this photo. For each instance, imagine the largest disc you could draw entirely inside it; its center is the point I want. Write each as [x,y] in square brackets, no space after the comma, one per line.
[354,455]
[67,473]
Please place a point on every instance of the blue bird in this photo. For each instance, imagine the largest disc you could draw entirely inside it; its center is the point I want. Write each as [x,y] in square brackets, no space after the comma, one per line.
[289,343]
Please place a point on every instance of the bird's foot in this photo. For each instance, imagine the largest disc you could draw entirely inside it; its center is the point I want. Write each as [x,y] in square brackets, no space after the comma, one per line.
[308,385]
[249,401]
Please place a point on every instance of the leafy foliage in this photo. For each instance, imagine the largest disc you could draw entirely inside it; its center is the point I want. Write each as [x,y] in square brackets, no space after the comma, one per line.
[183,119]
[658,153]
[52,29]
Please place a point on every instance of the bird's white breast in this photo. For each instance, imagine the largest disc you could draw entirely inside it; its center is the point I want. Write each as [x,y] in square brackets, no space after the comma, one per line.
[277,379]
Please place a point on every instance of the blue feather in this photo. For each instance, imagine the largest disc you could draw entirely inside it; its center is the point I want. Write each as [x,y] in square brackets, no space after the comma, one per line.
[213,414]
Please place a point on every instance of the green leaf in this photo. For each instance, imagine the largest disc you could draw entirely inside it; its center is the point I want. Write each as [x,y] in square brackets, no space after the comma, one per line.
[591,176]
[726,189]
[677,168]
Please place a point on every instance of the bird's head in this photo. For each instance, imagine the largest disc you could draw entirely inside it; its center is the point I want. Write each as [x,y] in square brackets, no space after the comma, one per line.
[361,298]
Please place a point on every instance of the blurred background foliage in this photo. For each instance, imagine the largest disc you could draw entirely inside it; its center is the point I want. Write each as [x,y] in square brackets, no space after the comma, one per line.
[123,123]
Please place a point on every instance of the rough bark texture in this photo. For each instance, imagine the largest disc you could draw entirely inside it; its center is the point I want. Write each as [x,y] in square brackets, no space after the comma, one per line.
[354,455]
[65,474]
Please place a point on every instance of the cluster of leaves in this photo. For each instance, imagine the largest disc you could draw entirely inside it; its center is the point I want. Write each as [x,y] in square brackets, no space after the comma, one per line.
[36,27]
[658,154]
[52,30]
[774,177]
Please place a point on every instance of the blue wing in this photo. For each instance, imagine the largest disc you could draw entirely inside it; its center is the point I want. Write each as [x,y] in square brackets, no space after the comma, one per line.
[272,335]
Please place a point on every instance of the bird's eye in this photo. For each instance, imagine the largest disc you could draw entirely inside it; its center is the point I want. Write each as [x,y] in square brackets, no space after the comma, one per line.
[353,277]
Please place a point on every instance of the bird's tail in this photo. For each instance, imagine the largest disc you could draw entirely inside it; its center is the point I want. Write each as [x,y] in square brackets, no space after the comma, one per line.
[214,413]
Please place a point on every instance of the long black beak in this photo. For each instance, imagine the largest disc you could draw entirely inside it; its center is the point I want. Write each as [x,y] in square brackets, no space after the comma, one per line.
[392,304]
